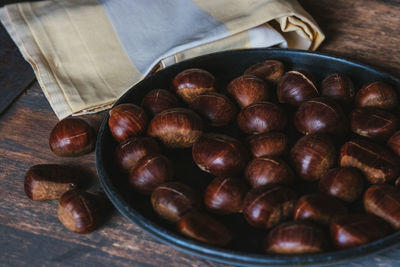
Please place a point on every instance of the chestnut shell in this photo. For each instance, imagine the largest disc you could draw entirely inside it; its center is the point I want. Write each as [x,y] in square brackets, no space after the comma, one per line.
[378,95]
[338,87]
[248,89]
[159,100]
[394,142]
[270,70]
[268,144]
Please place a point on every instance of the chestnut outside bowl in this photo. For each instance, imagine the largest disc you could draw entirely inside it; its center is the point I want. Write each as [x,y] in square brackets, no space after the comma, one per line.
[246,248]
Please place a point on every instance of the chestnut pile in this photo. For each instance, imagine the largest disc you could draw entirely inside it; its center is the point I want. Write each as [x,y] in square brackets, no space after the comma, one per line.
[345,149]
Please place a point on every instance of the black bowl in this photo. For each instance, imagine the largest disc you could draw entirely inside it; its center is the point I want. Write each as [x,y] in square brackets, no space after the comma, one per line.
[246,248]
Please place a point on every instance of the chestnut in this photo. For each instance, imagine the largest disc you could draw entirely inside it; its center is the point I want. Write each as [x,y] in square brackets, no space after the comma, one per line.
[269,70]
[373,123]
[378,95]
[268,170]
[296,237]
[204,228]
[384,201]
[50,181]
[266,206]
[193,82]
[176,128]
[216,109]
[81,212]
[296,87]
[72,137]
[150,172]
[378,164]
[320,115]
[219,154]
[357,229]
[225,195]
[173,199]
[313,155]
[261,117]
[394,142]
[338,87]
[127,120]
[319,208]
[159,100]
[344,183]
[248,89]
[129,152]
[397,182]
[268,144]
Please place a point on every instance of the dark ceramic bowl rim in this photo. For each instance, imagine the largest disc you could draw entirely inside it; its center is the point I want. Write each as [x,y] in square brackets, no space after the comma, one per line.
[225,255]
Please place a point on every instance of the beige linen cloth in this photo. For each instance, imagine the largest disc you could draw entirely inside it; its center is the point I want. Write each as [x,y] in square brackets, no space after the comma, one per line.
[87,53]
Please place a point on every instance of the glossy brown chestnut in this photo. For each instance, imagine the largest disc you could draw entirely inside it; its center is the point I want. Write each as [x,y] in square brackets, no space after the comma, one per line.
[261,117]
[193,82]
[344,183]
[297,237]
[319,208]
[173,199]
[159,100]
[357,229]
[312,156]
[225,195]
[269,70]
[127,120]
[296,87]
[266,206]
[384,201]
[268,144]
[373,123]
[378,95]
[248,89]
[129,152]
[394,142]
[72,137]
[321,115]
[215,108]
[268,170]
[50,181]
[80,211]
[338,87]
[219,154]
[150,172]
[377,163]
[176,128]
[204,228]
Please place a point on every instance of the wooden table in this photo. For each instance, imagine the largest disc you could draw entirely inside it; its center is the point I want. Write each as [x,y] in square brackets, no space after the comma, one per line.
[30,233]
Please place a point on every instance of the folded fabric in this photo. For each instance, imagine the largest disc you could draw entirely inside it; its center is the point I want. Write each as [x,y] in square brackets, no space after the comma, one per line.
[87,53]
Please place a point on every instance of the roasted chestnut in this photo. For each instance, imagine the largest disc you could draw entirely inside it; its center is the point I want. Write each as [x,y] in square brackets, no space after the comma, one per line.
[72,137]
[312,156]
[127,120]
[378,164]
[268,170]
[338,87]
[394,142]
[159,100]
[248,89]
[261,117]
[225,195]
[173,199]
[320,115]
[296,238]
[219,154]
[193,82]
[150,172]
[296,87]
[268,144]
[344,183]
[176,128]
[384,201]
[357,229]
[266,206]
[129,152]
[216,109]
[269,70]
[377,95]
[202,227]
[373,123]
